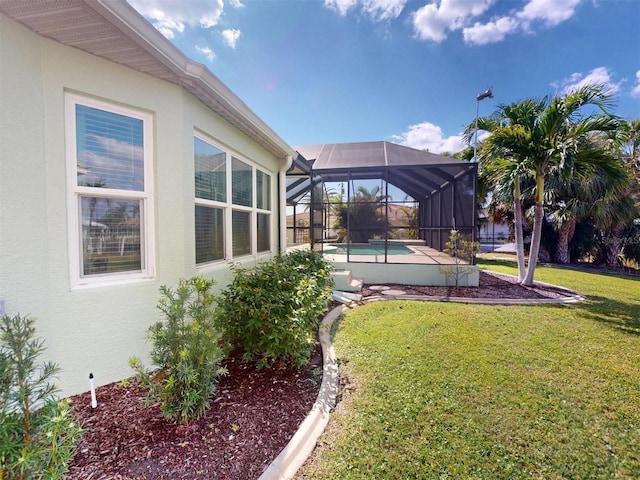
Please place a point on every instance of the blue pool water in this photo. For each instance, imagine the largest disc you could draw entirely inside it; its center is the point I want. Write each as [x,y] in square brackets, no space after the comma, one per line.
[359,249]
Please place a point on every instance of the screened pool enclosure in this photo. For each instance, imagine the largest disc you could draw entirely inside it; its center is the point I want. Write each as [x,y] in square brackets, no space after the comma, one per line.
[379,202]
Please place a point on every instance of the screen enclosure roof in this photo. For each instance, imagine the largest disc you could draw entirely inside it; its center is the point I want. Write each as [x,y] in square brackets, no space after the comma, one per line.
[418,173]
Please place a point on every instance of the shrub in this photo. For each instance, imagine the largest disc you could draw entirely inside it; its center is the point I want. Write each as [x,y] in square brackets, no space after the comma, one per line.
[186,350]
[272,312]
[462,250]
[38,435]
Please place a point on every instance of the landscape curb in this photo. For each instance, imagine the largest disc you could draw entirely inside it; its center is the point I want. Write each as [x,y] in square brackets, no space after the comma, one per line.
[304,441]
[295,454]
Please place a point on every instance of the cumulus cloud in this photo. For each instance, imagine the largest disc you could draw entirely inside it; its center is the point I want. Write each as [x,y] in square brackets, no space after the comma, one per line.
[427,136]
[207,52]
[437,19]
[550,12]
[171,17]
[494,31]
[635,91]
[231,37]
[597,76]
[378,10]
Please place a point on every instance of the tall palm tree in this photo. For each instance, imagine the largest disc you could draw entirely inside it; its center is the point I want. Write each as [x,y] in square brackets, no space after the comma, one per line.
[503,158]
[534,137]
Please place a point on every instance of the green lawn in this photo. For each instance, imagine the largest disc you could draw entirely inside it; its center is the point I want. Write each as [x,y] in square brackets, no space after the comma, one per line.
[444,390]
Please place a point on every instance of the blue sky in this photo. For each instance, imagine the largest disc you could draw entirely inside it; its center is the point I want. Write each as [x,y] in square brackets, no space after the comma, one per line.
[406,71]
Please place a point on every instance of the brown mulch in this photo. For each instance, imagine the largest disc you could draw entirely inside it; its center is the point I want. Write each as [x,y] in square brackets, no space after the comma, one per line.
[253,415]
[492,285]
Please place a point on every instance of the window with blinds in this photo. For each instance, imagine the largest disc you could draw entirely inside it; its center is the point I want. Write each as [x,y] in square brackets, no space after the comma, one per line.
[232,204]
[110,199]
[241,183]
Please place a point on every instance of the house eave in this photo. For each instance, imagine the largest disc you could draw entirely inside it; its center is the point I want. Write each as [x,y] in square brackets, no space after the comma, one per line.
[113,30]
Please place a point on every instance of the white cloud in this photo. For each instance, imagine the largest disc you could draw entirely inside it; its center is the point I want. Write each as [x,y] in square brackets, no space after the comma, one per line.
[231,36]
[236,4]
[437,19]
[171,17]
[378,10]
[551,12]
[428,136]
[382,10]
[635,91]
[207,52]
[491,32]
[341,6]
[597,76]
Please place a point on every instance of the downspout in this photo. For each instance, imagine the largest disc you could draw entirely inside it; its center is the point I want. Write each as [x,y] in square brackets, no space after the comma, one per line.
[282,204]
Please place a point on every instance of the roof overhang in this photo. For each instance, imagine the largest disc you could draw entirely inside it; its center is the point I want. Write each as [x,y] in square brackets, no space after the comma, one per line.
[113,30]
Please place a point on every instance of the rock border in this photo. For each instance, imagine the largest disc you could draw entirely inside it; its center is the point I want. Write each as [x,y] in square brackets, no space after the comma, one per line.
[293,456]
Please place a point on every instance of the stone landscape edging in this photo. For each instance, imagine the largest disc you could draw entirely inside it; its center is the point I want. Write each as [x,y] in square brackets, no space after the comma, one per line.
[295,454]
[304,441]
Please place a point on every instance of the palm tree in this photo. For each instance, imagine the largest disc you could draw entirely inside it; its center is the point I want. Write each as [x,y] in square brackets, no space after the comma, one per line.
[534,137]
[504,158]
[594,177]
[622,203]
[360,218]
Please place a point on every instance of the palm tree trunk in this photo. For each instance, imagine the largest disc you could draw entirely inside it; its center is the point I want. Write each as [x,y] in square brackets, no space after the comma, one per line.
[614,245]
[537,231]
[518,230]
[565,234]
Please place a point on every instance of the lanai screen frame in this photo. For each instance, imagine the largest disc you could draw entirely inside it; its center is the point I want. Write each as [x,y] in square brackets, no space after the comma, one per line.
[445,188]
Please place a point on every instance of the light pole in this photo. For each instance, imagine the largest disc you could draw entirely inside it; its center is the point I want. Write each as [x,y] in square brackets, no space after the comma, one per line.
[486,94]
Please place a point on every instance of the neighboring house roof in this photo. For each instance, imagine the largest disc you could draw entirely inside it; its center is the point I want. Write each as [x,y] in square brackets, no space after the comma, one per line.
[113,30]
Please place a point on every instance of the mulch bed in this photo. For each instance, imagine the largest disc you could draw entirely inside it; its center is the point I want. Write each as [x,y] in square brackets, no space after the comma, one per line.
[492,285]
[253,416]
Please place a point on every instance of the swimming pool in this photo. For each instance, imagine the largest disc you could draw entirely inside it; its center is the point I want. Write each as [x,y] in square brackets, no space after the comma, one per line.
[366,249]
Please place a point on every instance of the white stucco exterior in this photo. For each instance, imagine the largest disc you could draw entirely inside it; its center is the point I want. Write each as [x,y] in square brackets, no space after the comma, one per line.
[96,329]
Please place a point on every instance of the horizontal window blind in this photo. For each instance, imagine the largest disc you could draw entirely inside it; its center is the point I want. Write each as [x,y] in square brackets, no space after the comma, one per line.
[263,190]
[242,183]
[210,171]
[241,232]
[109,150]
[209,234]
[263,232]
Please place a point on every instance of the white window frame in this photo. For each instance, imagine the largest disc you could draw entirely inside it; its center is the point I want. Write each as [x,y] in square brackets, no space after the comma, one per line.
[75,192]
[224,206]
[229,207]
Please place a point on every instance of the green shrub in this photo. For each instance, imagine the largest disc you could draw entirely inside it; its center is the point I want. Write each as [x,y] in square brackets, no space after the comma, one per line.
[462,249]
[186,350]
[272,311]
[38,435]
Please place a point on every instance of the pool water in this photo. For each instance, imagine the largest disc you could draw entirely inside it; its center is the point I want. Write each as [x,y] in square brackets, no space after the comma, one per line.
[357,249]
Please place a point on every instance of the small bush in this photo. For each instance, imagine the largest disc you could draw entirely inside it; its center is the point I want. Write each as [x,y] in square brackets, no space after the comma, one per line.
[272,312]
[38,435]
[462,250]
[186,350]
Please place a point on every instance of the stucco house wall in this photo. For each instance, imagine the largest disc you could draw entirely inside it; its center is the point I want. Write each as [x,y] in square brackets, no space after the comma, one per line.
[97,328]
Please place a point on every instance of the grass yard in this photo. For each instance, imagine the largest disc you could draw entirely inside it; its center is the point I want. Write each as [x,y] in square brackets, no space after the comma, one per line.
[444,390]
